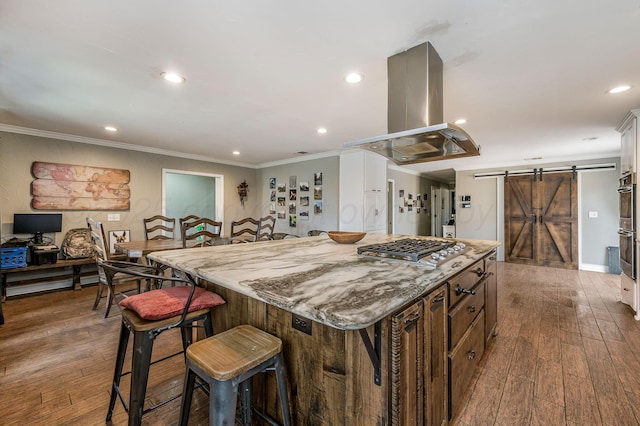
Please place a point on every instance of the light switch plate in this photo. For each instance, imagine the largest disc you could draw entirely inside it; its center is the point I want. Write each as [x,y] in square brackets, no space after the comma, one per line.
[113,217]
[593,214]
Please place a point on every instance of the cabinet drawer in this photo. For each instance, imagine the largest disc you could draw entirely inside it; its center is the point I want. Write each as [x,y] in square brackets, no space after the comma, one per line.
[463,361]
[466,280]
[464,313]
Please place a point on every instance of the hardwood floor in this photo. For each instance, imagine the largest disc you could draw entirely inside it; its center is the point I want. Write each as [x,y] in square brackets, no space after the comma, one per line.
[567,353]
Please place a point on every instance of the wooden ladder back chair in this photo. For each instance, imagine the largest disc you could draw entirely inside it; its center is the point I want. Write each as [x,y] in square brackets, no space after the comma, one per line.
[187,219]
[159,227]
[148,314]
[266,226]
[101,253]
[208,230]
[244,230]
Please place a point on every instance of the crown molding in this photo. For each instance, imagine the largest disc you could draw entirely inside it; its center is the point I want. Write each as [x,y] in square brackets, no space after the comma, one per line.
[120,145]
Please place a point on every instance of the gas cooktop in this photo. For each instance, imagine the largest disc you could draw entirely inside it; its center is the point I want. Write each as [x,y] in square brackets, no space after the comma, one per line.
[429,252]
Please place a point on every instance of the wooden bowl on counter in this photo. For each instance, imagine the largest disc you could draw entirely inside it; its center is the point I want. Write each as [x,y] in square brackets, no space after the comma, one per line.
[344,237]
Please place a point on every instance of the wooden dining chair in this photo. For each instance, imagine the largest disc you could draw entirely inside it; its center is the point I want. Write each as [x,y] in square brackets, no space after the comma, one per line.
[245,230]
[203,229]
[266,226]
[159,227]
[101,253]
[187,219]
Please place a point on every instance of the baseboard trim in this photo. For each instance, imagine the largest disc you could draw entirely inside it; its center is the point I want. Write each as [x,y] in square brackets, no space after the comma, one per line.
[593,267]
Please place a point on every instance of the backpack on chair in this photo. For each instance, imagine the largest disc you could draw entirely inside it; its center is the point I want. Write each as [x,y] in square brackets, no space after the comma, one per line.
[77,244]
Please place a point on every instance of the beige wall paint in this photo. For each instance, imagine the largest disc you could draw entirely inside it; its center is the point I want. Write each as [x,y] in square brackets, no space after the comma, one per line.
[17,152]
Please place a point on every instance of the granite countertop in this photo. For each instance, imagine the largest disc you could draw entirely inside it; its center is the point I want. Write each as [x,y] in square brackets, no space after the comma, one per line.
[319,279]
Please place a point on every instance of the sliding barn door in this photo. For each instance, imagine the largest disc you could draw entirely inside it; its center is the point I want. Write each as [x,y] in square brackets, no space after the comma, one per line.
[541,220]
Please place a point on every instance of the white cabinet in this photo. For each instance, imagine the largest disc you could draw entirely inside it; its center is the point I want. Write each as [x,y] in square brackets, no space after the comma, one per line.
[628,132]
[363,195]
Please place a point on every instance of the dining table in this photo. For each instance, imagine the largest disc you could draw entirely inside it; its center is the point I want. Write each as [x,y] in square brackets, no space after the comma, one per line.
[141,248]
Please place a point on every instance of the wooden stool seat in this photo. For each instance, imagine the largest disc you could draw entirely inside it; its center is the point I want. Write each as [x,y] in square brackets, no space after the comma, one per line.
[233,352]
[227,362]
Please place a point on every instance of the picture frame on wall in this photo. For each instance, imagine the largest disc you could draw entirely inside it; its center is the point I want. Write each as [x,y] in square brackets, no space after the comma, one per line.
[304,186]
[292,181]
[272,183]
[118,236]
[317,178]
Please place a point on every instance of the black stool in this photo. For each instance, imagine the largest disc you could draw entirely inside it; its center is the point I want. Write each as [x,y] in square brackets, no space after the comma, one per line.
[146,330]
[227,361]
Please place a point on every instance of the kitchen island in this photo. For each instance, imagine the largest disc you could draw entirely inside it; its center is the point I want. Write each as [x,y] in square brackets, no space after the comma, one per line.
[340,317]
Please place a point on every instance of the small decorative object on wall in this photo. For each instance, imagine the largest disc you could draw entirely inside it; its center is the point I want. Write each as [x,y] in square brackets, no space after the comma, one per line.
[317,178]
[426,197]
[418,210]
[317,193]
[292,181]
[401,209]
[282,214]
[272,197]
[282,187]
[282,201]
[466,205]
[409,208]
[411,196]
[304,201]
[401,193]
[60,186]
[272,208]
[243,189]
[121,236]
[304,215]
[272,183]
[465,198]
[293,195]
[292,208]
[292,220]
[304,186]
[317,207]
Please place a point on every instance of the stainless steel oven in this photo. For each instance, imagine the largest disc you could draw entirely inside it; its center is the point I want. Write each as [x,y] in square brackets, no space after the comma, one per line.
[626,231]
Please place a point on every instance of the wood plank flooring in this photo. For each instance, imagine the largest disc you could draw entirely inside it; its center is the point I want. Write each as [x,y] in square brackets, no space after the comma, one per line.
[567,353]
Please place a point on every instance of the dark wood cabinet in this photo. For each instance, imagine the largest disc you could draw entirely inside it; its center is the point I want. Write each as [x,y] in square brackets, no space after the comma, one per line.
[419,362]
[490,296]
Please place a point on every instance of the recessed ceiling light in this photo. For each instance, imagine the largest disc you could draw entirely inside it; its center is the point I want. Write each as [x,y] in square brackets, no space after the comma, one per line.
[591,138]
[322,130]
[354,77]
[460,121]
[302,152]
[236,152]
[173,77]
[619,89]
[110,129]
[533,158]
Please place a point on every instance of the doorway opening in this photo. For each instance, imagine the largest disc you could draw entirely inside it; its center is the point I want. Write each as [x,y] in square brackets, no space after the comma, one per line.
[192,193]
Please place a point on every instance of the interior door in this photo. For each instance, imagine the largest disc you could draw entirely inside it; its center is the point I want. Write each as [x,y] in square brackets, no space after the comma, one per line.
[541,220]
[519,234]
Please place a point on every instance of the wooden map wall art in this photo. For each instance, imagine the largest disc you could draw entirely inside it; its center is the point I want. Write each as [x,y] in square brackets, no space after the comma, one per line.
[69,187]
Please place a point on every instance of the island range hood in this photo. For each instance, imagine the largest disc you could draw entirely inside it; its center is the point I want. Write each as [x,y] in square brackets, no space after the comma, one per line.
[415,113]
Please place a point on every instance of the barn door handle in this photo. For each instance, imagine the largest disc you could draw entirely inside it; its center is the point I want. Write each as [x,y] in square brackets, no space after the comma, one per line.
[541,217]
[535,218]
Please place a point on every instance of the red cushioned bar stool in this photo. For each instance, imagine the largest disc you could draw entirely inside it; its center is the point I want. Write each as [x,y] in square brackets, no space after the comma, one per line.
[227,362]
[148,314]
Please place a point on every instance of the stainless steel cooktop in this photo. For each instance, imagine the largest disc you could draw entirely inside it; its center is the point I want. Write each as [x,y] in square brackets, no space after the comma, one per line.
[428,252]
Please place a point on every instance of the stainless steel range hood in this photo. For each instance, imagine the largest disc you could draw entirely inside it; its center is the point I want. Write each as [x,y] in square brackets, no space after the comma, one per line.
[414,116]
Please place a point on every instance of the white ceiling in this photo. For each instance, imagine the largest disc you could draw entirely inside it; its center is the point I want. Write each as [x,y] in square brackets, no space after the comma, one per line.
[529,76]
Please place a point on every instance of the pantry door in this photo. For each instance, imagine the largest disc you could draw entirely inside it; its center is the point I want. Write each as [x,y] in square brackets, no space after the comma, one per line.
[541,220]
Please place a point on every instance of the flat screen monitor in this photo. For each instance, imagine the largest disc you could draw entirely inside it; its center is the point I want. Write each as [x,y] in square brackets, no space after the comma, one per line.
[37,224]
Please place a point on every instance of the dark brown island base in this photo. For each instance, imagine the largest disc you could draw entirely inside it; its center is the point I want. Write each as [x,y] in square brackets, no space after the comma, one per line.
[366,341]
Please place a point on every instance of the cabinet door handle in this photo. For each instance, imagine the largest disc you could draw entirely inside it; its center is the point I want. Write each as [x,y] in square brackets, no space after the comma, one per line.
[471,309]
[471,354]
[438,299]
[479,272]
[414,317]
[462,290]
